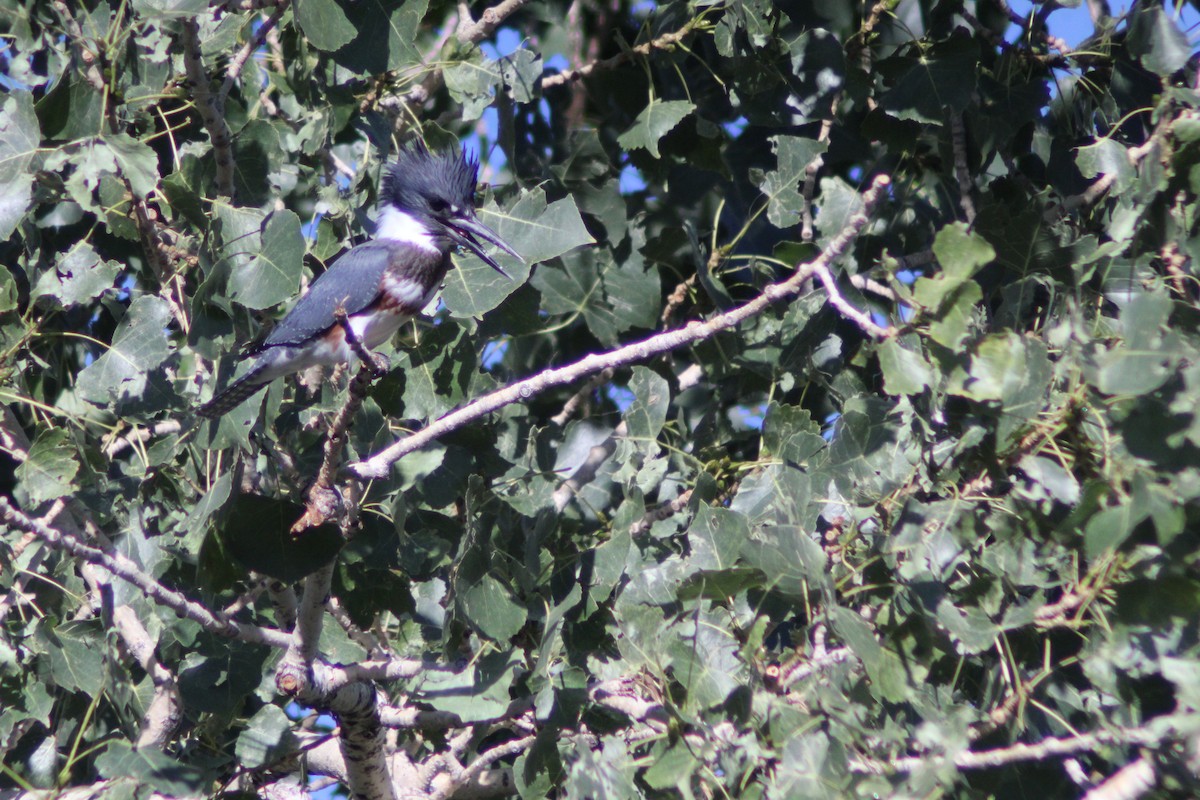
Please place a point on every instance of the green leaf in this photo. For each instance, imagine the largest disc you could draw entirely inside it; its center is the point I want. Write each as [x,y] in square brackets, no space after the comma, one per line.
[19,136]
[782,185]
[265,739]
[837,202]
[1143,361]
[1156,40]
[161,773]
[904,371]
[257,532]
[136,160]
[48,471]
[75,651]
[792,562]
[522,74]
[219,683]
[606,773]
[656,121]
[582,285]
[257,160]
[79,277]
[943,79]
[961,253]
[971,629]
[324,24]
[870,454]
[239,233]
[140,345]
[273,275]
[479,692]
[716,536]
[169,9]
[490,607]
[651,397]
[535,229]
[473,83]
[19,141]
[997,367]
[1107,157]
[955,310]
[1109,528]
[384,35]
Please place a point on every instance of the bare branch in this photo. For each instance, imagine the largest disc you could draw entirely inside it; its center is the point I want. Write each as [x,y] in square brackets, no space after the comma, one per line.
[569,407]
[586,472]
[210,106]
[665,42]
[848,311]
[475,32]
[660,512]
[165,712]
[1128,783]
[391,669]
[447,786]
[1051,747]
[811,171]
[803,668]
[323,501]
[123,443]
[77,40]
[234,70]
[378,465]
[958,142]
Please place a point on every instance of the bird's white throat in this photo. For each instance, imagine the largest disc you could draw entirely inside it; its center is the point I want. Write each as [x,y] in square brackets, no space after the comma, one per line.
[398,226]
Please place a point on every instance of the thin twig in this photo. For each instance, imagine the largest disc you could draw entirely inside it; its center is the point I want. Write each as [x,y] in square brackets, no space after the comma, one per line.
[958,143]
[234,70]
[123,443]
[665,42]
[585,391]
[811,171]
[323,501]
[841,304]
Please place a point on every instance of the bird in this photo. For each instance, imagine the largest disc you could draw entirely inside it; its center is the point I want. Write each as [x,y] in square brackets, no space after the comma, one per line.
[426,212]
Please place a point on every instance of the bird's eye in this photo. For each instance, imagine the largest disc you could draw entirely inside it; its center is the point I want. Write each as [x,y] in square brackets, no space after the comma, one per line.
[438,205]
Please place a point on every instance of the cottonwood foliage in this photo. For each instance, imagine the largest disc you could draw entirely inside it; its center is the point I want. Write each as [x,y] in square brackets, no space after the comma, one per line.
[926,526]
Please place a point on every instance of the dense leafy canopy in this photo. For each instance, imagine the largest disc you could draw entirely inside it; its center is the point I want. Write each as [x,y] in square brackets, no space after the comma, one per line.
[857,451]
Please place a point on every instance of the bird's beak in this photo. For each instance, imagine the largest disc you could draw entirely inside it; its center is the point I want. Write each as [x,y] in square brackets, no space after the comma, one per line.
[468,231]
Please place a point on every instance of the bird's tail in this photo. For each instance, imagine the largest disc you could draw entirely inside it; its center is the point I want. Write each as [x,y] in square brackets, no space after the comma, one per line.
[235,393]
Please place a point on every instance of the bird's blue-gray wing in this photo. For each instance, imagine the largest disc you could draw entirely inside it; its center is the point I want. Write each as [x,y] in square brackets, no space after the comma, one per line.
[351,284]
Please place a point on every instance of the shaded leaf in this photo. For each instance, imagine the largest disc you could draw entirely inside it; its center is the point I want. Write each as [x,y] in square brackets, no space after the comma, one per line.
[139,346]
[656,121]
[273,275]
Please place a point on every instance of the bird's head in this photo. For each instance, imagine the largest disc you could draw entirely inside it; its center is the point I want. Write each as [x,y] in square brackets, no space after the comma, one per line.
[437,190]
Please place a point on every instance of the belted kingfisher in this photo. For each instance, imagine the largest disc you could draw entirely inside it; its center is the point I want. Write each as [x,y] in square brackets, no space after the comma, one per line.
[427,208]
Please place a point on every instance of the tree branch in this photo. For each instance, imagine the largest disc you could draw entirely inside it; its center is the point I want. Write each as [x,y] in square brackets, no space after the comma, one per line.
[1152,734]
[234,69]
[165,711]
[475,32]
[210,107]
[665,42]
[1128,783]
